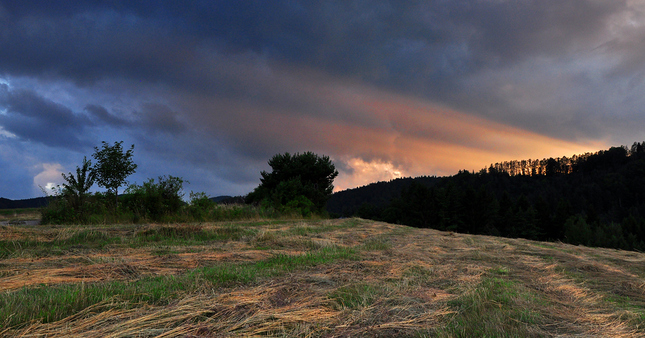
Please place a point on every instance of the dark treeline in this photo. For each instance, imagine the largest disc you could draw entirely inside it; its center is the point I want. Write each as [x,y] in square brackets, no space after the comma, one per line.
[38,202]
[362,200]
[595,199]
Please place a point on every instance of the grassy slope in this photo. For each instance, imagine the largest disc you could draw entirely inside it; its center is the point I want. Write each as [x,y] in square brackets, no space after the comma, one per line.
[18,215]
[310,278]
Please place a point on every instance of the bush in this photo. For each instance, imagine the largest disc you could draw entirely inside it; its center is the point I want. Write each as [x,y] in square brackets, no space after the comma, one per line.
[62,210]
[58,211]
[300,205]
[161,201]
[199,206]
[154,200]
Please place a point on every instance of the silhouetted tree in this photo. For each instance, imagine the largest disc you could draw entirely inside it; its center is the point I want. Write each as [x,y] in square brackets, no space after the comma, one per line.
[302,181]
[76,187]
[113,166]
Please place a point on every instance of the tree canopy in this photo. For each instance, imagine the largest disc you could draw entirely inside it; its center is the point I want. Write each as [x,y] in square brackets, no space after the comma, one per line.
[113,165]
[303,181]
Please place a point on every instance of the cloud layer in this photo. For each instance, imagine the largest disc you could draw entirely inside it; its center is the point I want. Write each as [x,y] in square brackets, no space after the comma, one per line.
[211,90]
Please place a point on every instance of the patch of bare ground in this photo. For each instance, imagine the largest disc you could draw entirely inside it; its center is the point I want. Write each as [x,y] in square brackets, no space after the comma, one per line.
[400,281]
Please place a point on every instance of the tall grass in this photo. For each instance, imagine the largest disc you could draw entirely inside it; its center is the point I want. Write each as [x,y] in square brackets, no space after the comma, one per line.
[133,236]
[84,239]
[58,212]
[93,239]
[186,234]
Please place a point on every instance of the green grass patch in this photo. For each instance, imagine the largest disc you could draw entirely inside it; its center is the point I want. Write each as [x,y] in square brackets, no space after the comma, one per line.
[85,239]
[11,213]
[229,275]
[93,239]
[351,222]
[500,270]
[260,223]
[633,310]
[495,308]
[190,234]
[51,303]
[376,244]
[300,230]
[321,227]
[355,296]
[417,271]
[324,255]
[619,301]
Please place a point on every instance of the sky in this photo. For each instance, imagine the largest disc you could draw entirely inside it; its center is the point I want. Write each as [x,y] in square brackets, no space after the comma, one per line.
[210,90]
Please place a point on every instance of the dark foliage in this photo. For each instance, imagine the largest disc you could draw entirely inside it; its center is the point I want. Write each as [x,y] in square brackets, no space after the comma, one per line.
[300,182]
[153,200]
[592,199]
[228,199]
[75,189]
[364,200]
[113,166]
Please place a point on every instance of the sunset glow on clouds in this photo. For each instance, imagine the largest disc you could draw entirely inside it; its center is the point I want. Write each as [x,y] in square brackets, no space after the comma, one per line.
[210,91]
[410,137]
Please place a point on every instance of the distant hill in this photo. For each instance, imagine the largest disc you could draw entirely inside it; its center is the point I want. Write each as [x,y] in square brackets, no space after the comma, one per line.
[593,199]
[37,202]
[374,195]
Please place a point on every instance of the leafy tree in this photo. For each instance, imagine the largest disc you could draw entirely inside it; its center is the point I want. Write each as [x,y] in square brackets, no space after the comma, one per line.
[155,200]
[76,188]
[113,167]
[303,181]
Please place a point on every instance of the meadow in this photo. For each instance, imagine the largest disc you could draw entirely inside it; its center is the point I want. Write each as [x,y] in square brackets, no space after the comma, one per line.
[309,278]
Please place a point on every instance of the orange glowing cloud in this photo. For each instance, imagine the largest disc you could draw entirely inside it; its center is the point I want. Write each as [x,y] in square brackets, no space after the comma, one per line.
[407,136]
[371,134]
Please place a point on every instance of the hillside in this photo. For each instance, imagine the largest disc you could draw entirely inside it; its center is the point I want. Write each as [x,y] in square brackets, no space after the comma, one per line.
[331,278]
[37,202]
[348,203]
[594,199]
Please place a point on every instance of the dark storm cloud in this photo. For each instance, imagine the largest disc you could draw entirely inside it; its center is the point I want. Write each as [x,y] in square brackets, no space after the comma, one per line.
[419,46]
[103,116]
[34,118]
[226,84]
[86,44]
[510,31]
[160,118]
[153,117]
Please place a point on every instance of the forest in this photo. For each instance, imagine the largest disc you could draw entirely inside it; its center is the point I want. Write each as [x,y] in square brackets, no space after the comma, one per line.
[593,199]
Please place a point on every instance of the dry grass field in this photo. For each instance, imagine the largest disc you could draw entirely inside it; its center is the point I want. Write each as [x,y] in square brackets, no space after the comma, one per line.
[309,278]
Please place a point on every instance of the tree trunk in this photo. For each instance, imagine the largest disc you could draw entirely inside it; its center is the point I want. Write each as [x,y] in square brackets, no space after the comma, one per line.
[116,200]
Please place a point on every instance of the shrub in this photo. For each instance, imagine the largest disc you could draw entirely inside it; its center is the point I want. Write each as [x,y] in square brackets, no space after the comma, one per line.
[58,211]
[199,206]
[154,200]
